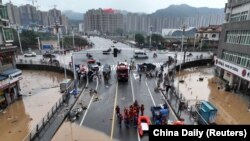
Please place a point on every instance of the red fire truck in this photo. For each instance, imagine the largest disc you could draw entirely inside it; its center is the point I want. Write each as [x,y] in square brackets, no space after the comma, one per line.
[122,71]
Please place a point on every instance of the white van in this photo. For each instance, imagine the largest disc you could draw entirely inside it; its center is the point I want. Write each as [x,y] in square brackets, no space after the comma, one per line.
[140,55]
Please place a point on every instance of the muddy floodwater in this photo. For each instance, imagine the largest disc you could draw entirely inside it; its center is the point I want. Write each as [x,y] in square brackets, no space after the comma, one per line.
[73,132]
[40,90]
[232,107]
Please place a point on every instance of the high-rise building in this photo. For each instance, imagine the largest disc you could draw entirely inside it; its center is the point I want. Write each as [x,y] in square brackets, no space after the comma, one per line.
[54,16]
[28,14]
[13,13]
[105,21]
[9,75]
[233,59]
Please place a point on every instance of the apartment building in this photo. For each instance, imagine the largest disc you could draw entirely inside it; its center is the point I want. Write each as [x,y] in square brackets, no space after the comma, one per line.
[233,60]
[9,75]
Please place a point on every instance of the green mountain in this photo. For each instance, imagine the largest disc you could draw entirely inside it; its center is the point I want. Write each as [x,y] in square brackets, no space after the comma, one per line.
[184,10]
[73,15]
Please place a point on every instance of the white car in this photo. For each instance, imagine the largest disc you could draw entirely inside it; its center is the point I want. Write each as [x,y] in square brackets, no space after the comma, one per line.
[140,55]
[30,54]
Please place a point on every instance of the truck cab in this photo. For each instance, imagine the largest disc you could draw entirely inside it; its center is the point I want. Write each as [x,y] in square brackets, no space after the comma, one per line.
[122,71]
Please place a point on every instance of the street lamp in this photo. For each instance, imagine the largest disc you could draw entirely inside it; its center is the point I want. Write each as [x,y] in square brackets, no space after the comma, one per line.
[73,37]
[18,36]
[183,27]
[39,46]
[65,73]
[150,34]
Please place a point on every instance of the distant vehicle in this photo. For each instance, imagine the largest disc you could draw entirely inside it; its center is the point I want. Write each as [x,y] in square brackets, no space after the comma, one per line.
[143,125]
[89,55]
[114,42]
[107,51]
[148,66]
[49,55]
[106,71]
[64,85]
[140,55]
[122,71]
[112,45]
[160,114]
[30,54]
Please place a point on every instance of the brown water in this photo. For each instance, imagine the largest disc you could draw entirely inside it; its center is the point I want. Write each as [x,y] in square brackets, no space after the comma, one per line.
[232,108]
[73,132]
[24,114]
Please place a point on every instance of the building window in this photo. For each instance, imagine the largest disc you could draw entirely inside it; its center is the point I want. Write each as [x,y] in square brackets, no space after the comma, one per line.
[241,37]
[213,35]
[237,58]
[239,16]
[3,12]
[8,34]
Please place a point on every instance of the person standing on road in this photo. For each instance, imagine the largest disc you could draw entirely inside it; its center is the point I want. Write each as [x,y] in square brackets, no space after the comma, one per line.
[142,109]
[140,76]
[117,109]
[120,118]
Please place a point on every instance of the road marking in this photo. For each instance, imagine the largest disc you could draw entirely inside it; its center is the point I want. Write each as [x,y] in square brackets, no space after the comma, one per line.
[139,138]
[113,121]
[150,93]
[91,100]
[136,76]
[87,110]
[132,88]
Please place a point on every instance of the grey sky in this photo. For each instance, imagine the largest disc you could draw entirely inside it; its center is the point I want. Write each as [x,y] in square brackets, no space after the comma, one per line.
[147,6]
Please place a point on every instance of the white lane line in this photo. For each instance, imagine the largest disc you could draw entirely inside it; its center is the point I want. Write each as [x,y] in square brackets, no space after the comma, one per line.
[87,110]
[150,93]
[138,136]
[91,100]
[113,121]
[132,88]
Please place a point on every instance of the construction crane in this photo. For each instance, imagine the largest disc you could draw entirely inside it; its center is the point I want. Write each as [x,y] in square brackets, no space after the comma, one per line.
[33,2]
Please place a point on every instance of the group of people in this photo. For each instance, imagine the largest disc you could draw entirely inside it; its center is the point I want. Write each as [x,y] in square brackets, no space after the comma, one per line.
[130,115]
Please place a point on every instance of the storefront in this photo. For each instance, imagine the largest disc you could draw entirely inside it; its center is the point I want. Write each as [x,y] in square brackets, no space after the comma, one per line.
[9,87]
[236,76]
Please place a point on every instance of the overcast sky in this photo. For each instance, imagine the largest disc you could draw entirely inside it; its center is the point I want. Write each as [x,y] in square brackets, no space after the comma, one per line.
[146,6]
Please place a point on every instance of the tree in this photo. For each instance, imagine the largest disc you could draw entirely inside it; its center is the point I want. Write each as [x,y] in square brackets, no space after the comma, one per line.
[27,37]
[68,42]
[139,38]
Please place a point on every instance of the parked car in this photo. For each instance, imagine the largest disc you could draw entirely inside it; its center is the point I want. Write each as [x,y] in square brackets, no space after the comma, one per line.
[107,51]
[30,54]
[140,55]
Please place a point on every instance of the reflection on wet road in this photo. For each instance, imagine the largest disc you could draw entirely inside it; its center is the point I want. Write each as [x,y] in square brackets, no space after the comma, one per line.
[40,92]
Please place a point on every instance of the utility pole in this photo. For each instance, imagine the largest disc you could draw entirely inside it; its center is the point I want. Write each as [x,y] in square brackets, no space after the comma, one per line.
[18,36]
[73,37]
[150,32]
[39,45]
[65,73]
[183,27]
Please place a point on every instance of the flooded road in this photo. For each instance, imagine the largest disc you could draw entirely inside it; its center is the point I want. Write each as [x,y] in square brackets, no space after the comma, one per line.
[40,91]
[73,132]
[232,107]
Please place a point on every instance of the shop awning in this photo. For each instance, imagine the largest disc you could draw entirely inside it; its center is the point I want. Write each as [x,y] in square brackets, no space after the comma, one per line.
[9,72]
[3,77]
